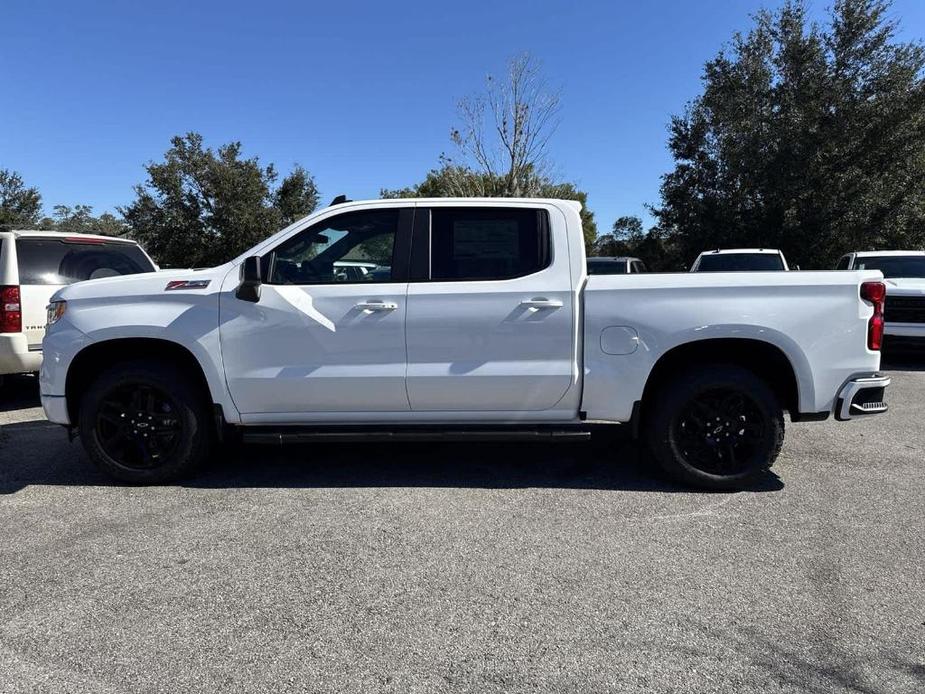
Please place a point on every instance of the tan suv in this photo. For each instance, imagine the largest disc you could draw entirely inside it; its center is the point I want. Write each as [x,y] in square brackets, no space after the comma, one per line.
[33,266]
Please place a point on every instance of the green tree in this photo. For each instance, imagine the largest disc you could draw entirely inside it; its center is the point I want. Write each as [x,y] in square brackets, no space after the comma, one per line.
[627,238]
[20,206]
[808,138]
[297,196]
[203,207]
[80,220]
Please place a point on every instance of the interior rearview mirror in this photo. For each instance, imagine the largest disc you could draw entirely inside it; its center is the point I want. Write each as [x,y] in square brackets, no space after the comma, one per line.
[249,287]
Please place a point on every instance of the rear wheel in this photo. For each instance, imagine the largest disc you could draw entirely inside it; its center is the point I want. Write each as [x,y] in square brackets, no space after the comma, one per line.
[717,427]
[142,422]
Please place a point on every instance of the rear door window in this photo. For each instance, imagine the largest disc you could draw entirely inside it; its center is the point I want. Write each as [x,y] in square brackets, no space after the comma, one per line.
[598,266]
[492,243]
[65,261]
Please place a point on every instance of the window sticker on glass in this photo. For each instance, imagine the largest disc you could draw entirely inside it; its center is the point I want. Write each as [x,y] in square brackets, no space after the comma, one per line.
[486,238]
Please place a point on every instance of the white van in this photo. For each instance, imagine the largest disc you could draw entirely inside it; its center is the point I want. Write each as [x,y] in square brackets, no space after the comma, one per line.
[33,266]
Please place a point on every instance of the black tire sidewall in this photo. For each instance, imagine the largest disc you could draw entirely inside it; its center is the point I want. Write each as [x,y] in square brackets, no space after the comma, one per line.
[191,410]
[673,397]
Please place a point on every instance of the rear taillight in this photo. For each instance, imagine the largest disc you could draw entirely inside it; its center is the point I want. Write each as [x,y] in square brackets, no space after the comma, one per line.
[10,310]
[875,293]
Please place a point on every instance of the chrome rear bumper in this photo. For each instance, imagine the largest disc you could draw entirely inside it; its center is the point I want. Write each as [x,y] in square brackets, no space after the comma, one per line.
[861,396]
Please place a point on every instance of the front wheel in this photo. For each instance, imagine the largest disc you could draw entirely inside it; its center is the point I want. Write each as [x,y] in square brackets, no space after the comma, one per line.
[143,422]
[717,427]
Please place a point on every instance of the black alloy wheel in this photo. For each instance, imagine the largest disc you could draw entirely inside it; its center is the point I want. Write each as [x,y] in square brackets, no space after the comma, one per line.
[715,426]
[146,421]
[137,425]
[719,431]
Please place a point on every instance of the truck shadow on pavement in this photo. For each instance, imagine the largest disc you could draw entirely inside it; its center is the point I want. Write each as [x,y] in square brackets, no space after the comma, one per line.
[38,453]
[35,452]
[19,392]
[902,361]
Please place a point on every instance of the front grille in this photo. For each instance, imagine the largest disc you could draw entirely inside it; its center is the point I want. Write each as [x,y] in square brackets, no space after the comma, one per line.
[905,309]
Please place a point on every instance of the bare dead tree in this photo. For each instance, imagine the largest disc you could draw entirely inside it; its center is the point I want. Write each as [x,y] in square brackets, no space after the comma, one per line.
[504,132]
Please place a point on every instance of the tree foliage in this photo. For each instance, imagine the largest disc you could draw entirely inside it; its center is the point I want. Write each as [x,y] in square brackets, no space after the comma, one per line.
[203,207]
[627,238]
[806,138]
[80,220]
[20,206]
[297,196]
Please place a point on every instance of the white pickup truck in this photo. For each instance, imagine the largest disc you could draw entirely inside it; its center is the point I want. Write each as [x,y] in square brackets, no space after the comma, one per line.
[472,319]
[904,273]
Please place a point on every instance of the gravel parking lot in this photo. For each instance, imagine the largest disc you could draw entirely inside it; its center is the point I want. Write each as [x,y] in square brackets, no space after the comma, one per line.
[473,568]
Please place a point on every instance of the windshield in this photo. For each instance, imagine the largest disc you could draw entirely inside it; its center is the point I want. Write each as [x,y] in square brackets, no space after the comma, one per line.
[894,265]
[62,261]
[740,262]
[606,267]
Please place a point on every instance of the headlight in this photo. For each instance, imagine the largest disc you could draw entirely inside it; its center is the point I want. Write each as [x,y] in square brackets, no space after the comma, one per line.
[55,310]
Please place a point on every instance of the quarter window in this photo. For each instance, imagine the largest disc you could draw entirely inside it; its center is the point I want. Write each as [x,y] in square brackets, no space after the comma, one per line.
[487,243]
[354,247]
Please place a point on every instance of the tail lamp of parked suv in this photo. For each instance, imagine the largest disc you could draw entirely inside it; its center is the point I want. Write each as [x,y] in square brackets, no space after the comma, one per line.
[875,293]
[10,310]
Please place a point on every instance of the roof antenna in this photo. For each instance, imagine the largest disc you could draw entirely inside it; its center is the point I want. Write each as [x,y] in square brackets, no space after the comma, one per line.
[339,200]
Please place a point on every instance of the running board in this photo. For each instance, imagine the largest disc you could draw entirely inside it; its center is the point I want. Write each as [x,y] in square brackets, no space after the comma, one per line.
[285,435]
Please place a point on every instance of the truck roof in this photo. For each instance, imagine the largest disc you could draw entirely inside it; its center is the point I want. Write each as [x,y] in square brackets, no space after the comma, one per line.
[40,233]
[721,251]
[466,201]
[868,254]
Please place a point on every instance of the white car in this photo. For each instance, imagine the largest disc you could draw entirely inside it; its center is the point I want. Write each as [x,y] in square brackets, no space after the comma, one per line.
[483,324]
[905,292]
[33,266]
[740,260]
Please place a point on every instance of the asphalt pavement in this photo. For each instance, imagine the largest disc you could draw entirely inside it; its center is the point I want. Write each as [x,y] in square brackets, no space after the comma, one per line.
[466,568]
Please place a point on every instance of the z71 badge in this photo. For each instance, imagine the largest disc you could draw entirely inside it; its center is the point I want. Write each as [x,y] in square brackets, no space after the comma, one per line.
[186,284]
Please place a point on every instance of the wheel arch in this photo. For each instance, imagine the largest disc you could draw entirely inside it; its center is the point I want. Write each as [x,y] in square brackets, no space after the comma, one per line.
[765,359]
[97,356]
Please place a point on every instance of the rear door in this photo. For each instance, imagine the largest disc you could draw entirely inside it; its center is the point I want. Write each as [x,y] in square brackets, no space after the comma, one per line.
[47,263]
[491,312]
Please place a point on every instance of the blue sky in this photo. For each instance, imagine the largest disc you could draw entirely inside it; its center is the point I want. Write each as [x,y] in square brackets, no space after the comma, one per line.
[361,94]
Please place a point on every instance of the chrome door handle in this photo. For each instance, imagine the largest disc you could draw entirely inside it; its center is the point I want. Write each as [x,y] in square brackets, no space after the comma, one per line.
[541,303]
[377,306]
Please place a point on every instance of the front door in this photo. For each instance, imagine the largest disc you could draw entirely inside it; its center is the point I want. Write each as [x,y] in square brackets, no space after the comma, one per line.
[328,333]
[491,324]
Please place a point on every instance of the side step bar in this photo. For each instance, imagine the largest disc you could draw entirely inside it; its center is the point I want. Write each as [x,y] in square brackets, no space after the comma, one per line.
[299,434]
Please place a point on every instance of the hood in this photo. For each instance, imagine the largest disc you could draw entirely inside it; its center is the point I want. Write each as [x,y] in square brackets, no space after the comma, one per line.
[142,283]
[908,286]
